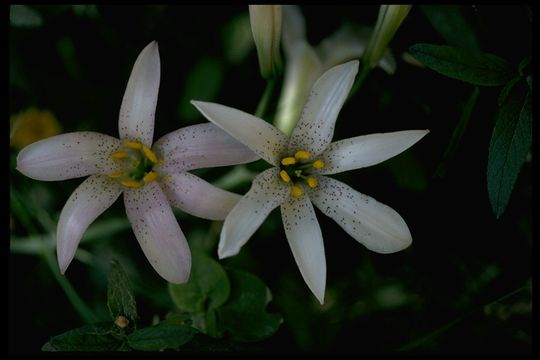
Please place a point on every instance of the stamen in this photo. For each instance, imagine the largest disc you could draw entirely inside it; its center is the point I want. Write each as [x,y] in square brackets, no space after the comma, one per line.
[312,182]
[302,155]
[149,154]
[131,183]
[116,175]
[296,191]
[318,164]
[288,161]
[133,144]
[119,155]
[284,176]
[151,176]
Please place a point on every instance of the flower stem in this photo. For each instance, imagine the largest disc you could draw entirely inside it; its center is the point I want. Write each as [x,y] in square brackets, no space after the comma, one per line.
[265,99]
[360,79]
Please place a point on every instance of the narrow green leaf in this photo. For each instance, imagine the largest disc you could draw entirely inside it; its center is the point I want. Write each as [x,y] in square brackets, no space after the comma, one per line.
[508,149]
[120,299]
[160,337]
[95,337]
[478,69]
[208,286]
[506,90]
[449,21]
[244,315]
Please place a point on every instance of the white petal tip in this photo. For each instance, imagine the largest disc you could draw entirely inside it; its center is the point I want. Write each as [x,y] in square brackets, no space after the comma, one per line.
[179,280]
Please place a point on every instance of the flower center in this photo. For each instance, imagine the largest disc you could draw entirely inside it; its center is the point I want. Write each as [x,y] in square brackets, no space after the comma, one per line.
[295,170]
[137,162]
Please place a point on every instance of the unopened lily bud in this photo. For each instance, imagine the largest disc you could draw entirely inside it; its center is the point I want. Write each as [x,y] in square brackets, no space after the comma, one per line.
[266,29]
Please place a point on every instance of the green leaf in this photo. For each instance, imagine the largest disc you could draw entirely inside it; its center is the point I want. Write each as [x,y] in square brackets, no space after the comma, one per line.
[95,337]
[208,286]
[508,148]
[448,20]
[506,90]
[120,299]
[244,315]
[160,337]
[481,69]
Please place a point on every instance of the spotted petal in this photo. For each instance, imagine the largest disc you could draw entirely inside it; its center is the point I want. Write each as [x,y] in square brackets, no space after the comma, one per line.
[158,233]
[315,129]
[306,242]
[373,224]
[201,146]
[68,156]
[198,197]
[95,195]
[367,150]
[267,192]
[264,139]
[136,121]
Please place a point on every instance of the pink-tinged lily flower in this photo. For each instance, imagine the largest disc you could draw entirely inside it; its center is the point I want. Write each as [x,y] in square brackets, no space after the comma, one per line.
[297,178]
[151,177]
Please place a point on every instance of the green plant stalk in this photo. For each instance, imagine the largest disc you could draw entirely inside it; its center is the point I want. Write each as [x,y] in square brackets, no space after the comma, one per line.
[360,79]
[265,99]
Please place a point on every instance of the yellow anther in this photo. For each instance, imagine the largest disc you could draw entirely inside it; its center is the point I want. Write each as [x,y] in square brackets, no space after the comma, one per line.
[318,164]
[151,176]
[296,191]
[116,175]
[312,182]
[131,183]
[302,155]
[284,176]
[288,161]
[133,144]
[149,154]
[119,155]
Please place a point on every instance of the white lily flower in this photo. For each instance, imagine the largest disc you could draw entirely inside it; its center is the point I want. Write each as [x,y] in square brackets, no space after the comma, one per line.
[151,177]
[305,63]
[297,178]
[266,29]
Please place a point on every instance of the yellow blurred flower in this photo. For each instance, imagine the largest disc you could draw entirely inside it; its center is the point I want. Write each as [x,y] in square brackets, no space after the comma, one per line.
[32,125]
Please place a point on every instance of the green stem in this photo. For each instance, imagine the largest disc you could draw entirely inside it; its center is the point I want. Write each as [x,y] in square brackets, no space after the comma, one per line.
[265,99]
[83,310]
[360,79]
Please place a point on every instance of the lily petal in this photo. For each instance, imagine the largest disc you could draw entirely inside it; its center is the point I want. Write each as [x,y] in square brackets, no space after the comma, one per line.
[200,146]
[68,156]
[264,139]
[375,225]
[367,150]
[158,233]
[306,242]
[95,195]
[315,129]
[267,192]
[198,197]
[136,120]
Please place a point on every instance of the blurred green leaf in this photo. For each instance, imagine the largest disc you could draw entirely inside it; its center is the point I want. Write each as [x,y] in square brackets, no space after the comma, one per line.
[202,83]
[448,20]
[24,16]
[95,337]
[481,69]
[160,337]
[407,171]
[237,38]
[508,148]
[506,90]
[208,286]
[244,315]
[120,299]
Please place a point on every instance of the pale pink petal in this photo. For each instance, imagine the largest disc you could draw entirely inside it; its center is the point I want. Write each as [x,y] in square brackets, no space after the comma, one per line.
[267,192]
[95,195]
[375,225]
[306,242]
[158,233]
[367,150]
[136,120]
[315,129]
[197,197]
[200,146]
[68,156]
[264,139]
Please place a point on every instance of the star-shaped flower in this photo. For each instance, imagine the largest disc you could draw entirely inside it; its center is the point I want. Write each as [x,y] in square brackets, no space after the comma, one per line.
[151,177]
[297,178]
